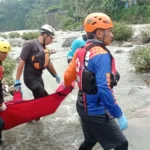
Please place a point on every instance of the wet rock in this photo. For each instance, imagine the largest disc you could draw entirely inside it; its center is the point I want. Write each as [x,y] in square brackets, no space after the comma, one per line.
[116,43]
[14,44]
[140,91]
[16,41]
[132,70]
[127,44]
[13,53]
[142,113]
[68,41]
[137,37]
[147,74]
[146,40]
[119,51]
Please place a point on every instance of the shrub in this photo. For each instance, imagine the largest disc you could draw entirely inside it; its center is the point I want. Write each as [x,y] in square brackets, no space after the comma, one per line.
[9,65]
[3,36]
[14,35]
[145,32]
[140,59]
[30,35]
[137,14]
[70,24]
[122,32]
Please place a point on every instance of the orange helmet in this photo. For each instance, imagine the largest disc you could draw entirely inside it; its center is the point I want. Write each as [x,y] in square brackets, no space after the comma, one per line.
[97,21]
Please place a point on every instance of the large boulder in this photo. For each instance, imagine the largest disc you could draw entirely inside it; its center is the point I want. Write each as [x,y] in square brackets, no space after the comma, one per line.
[140,91]
[16,42]
[68,41]
[119,51]
[127,44]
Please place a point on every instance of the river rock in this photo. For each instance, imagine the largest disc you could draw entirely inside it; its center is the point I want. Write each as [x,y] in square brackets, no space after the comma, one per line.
[68,41]
[16,41]
[119,51]
[127,44]
[140,91]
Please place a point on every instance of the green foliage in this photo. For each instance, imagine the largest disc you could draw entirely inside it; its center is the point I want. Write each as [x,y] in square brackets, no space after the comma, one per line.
[14,35]
[70,24]
[31,14]
[53,8]
[3,36]
[23,14]
[30,35]
[145,34]
[122,32]
[138,14]
[9,66]
[36,17]
[81,8]
[140,59]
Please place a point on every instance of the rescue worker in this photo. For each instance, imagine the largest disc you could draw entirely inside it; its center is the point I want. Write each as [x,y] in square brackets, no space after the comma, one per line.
[4,49]
[93,68]
[34,60]
[77,43]
[80,42]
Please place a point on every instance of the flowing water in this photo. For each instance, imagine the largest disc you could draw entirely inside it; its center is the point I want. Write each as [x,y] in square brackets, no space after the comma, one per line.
[62,130]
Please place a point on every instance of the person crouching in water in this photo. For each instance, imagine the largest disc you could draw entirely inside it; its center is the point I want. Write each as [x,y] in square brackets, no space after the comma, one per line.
[93,68]
[4,49]
[34,59]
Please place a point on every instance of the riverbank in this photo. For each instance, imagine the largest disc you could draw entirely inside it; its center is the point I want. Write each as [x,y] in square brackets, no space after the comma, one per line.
[62,130]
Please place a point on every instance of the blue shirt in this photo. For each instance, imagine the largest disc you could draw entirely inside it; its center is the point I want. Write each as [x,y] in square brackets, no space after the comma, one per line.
[100,64]
[77,43]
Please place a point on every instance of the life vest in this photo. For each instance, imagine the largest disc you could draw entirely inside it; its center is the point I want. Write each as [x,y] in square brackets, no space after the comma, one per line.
[41,60]
[1,71]
[85,78]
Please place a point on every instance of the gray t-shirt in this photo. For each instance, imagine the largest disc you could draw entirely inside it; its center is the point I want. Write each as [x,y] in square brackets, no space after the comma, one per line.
[30,49]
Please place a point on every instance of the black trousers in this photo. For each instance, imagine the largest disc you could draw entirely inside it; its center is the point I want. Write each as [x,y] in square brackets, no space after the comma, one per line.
[36,85]
[1,127]
[89,146]
[102,129]
[1,93]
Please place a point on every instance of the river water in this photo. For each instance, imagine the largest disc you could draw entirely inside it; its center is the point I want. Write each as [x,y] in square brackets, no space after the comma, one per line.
[62,130]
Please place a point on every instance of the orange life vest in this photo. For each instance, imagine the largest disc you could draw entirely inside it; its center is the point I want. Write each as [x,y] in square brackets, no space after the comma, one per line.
[41,60]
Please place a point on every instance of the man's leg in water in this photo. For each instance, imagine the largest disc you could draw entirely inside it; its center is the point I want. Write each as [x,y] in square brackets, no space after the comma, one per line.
[90,141]
[86,146]
[123,146]
[36,85]
[40,90]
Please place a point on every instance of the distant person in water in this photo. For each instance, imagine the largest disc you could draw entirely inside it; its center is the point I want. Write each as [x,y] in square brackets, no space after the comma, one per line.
[77,43]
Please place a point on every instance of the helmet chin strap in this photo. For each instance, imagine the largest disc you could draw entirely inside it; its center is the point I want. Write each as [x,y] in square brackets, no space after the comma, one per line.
[104,34]
[44,39]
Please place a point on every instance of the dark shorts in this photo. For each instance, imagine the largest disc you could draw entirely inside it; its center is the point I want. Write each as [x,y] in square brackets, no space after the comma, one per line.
[102,129]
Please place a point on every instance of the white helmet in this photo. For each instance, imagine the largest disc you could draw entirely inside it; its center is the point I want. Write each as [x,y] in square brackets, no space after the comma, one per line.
[48,29]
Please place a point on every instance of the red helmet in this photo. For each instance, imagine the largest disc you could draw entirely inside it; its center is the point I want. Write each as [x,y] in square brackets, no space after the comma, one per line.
[97,21]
